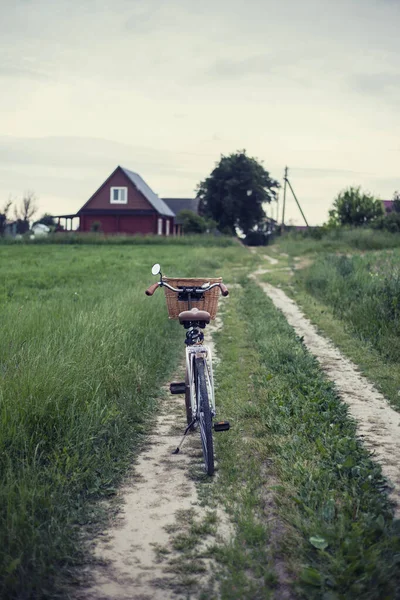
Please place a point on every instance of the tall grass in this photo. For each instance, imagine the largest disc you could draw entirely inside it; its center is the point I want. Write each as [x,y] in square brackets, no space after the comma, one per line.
[364,291]
[122,240]
[82,355]
[293,441]
[340,239]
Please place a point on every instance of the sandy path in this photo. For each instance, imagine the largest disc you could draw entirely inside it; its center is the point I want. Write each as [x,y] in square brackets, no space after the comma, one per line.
[377,423]
[270,259]
[159,486]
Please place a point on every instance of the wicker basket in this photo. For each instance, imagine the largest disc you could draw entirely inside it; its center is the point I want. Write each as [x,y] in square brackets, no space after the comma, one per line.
[208,303]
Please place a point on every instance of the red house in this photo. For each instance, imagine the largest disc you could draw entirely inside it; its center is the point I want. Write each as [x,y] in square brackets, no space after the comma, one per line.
[124,203]
[388,205]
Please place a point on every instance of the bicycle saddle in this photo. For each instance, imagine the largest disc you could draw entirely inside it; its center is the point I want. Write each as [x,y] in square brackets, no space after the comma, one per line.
[194,315]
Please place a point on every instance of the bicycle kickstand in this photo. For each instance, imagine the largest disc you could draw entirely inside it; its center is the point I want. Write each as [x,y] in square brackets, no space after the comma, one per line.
[176,451]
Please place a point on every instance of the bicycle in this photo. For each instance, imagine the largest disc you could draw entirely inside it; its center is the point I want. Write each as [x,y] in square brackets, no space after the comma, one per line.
[198,386]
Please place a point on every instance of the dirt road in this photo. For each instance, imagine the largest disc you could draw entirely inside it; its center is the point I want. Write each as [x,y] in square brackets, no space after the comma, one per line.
[377,423]
[136,556]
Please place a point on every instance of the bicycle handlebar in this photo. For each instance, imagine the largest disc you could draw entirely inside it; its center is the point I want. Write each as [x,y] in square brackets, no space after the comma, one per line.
[224,289]
[150,290]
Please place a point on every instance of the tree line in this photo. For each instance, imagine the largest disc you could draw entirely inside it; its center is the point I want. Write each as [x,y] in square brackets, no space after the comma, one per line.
[232,200]
[353,207]
[19,213]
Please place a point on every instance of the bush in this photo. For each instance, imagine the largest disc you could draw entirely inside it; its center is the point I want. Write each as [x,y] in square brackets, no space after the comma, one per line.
[355,208]
[95,226]
[192,222]
[390,222]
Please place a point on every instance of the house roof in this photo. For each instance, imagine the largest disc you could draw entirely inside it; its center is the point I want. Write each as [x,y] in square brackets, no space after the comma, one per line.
[161,207]
[178,204]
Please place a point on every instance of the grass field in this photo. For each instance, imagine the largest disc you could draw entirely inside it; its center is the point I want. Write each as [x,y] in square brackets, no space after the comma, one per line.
[302,490]
[354,297]
[339,240]
[83,354]
[363,291]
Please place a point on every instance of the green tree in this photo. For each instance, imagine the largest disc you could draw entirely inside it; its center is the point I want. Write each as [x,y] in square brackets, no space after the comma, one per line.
[234,194]
[3,216]
[192,222]
[354,207]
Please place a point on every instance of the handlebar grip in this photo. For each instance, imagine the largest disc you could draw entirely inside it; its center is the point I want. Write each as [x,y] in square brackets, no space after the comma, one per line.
[224,289]
[150,290]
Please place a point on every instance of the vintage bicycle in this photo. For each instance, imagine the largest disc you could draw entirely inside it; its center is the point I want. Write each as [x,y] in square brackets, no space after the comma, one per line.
[194,302]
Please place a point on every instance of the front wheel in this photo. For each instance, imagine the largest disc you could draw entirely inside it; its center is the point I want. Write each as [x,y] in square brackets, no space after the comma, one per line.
[204,411]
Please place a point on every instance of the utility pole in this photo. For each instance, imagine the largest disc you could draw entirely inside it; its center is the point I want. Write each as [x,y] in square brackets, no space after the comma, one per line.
[284,197]
[294,196]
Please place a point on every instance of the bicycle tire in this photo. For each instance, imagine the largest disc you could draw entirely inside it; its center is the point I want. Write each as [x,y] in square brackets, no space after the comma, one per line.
[205,418]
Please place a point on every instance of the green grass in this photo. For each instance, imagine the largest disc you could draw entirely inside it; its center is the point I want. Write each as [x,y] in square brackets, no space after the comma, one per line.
[353,300]
[383,374]
[292,441]
[363,291]
[83,353]
[74,238]
[340,239]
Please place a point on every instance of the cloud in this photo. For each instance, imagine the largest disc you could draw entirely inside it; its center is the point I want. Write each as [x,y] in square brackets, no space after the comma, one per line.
[26,72]
[376,83]
[144,19]
[21,64]
[321,172]
[239,68]
[76,152]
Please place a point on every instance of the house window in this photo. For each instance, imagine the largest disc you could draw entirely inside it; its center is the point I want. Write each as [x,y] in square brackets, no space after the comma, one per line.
[118,195]
[167,227]
[159,227]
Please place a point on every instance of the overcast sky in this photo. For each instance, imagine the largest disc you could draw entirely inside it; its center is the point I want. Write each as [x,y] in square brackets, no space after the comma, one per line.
[164,87]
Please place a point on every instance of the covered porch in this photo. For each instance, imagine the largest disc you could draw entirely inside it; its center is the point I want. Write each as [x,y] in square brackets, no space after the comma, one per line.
[67,222]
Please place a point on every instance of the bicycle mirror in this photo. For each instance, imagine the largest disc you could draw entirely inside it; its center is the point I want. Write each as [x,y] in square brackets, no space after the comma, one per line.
[156,269]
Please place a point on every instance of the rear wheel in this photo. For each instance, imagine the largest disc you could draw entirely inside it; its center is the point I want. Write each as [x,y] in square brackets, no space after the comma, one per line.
[204,416]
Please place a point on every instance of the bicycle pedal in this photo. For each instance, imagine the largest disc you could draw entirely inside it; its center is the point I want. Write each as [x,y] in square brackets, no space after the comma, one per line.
[177,388]
[221,426]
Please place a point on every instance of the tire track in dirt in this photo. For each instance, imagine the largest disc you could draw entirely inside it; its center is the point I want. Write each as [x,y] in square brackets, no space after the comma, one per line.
[161,486]
[378,424]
